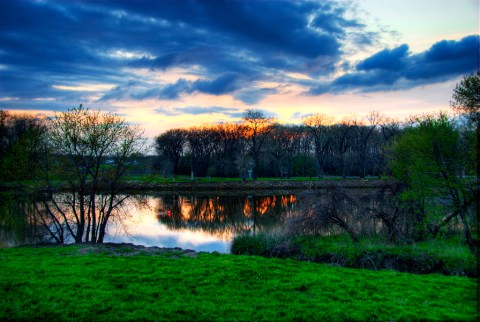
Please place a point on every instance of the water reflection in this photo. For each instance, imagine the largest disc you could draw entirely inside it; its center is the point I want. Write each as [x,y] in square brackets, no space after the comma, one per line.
[206,223]
[202,223]
[199,222]
[17,225]
[223,216]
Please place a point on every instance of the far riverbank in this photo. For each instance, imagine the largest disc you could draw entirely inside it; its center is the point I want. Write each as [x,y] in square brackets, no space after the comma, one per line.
[205,185]
[257,185]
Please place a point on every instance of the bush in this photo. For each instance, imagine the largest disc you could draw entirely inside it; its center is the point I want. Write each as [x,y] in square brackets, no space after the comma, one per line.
[250,245]
[264,244]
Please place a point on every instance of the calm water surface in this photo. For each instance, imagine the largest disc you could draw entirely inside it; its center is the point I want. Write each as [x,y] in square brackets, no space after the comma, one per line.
[201,223]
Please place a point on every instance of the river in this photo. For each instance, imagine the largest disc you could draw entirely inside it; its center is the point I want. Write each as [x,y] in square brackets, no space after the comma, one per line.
[198,222]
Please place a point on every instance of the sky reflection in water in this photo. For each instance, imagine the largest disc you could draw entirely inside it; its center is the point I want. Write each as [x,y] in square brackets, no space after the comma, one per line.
[201,223]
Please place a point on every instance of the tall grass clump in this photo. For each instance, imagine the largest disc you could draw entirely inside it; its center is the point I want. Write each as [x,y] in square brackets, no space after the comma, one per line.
[268,244]
[339,250]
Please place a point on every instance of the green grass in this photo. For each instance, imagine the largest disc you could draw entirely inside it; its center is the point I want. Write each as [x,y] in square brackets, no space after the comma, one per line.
[446,256]
[180,178]
[59,283]
[152,179]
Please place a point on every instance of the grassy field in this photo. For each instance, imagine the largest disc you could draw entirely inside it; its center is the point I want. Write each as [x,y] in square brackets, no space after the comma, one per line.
[180,178]
[449,256]
[58,283]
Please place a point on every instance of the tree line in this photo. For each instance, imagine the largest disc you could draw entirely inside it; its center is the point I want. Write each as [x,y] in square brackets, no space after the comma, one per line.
[261,147]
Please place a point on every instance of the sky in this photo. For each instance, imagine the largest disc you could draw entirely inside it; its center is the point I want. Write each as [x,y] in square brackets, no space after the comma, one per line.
[170,64]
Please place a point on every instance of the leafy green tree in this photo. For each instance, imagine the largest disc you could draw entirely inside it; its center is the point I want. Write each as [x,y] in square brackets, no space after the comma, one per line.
[466,100]
[428,159]
[21,139]
[466,97]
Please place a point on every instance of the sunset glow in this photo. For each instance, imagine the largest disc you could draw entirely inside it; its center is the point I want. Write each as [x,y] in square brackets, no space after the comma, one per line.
[173,64]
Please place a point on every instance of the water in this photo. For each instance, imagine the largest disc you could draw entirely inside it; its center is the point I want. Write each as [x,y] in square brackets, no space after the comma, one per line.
[198,222]
[209,222]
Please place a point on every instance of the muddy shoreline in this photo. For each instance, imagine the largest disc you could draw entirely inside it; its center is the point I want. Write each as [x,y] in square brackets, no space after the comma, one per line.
[229,187]
[121,249]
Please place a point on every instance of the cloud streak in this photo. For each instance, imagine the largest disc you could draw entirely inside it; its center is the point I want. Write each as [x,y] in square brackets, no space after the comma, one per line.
[396,69]
[199,110]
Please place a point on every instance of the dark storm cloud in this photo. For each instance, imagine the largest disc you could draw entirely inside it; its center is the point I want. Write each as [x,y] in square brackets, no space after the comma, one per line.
[231,46]
[396,68]
[120,92]
[272,25]
[254,95]
[224,84]
[199,110]
[50,43]
[168,92]
[386,59]
[445,59]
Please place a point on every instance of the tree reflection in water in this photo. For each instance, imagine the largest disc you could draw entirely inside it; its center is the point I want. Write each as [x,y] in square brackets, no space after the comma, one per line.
[17,224]
[189,221]
[224,216]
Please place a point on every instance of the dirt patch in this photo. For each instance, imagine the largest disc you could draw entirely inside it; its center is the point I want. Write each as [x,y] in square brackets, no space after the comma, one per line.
[125,249]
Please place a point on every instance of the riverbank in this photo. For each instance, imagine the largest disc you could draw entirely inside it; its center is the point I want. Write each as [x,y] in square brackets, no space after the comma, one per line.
[146,184]
[84,282]
[449,256]
[257,185]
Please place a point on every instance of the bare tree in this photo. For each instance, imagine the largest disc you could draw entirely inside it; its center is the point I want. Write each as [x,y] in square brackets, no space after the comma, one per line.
[91,152]
[257,127]
[229,136]
[320,127]
[169,147]
[343,142]
[330,210]
[364,132]
[286,143]
[201,144]
[396,217]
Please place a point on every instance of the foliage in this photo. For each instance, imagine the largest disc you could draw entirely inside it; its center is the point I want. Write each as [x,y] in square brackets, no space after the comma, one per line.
[252,245]
[466,97]
[21,141]
[429,159]
[64,283]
